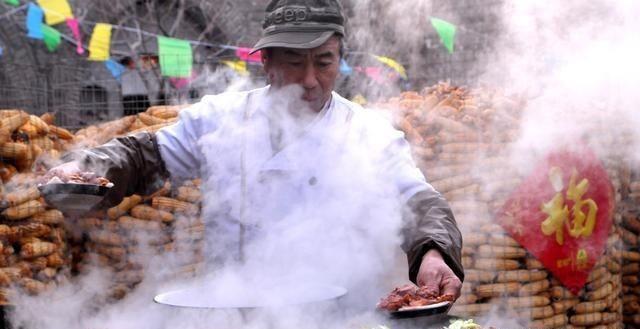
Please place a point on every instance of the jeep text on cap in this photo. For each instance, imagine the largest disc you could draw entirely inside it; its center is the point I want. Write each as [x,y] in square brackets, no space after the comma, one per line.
[303,12]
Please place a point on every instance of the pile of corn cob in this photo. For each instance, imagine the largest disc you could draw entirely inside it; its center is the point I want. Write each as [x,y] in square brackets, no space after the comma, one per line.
[631,258]
[33,248]
[33,245]
[127,239]
[151,120]
[461,140]
[25,137]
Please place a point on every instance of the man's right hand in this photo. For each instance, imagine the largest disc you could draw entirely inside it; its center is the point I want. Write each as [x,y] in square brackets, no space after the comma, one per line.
[67,168]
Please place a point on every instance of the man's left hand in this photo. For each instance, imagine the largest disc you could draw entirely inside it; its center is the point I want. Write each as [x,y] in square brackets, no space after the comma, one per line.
[437,277]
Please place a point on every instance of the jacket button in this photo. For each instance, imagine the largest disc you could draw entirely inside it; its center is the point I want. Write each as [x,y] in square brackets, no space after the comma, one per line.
[313,180]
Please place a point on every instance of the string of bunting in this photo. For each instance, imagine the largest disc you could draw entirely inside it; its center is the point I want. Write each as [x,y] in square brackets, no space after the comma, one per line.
[175,55]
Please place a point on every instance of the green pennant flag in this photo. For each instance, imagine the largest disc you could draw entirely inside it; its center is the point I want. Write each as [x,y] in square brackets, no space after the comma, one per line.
[13,2]
[51,37]
[446,31]
[176,57]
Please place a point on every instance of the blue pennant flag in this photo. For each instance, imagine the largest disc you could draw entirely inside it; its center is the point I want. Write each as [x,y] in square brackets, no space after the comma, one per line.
[115,68]
[345,68]
[34,22]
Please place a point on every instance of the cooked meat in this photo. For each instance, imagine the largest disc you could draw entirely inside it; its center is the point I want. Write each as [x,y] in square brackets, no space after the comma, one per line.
[409,295]
[76,178]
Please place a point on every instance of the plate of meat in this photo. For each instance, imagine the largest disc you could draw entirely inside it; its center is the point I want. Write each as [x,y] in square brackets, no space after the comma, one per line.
[410,301]
[74,193]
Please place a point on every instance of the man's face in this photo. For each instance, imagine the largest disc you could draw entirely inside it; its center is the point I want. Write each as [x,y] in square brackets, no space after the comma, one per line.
[315,70]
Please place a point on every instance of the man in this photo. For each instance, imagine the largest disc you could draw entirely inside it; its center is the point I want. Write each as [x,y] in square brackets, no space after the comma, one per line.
[261,140]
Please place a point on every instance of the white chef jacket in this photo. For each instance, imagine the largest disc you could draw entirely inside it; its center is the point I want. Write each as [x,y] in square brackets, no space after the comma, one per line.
[225,139]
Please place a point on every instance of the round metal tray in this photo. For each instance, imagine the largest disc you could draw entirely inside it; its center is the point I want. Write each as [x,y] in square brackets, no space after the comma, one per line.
[73,198]
[285,295]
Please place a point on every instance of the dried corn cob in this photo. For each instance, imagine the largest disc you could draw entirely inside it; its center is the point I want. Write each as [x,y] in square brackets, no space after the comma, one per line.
[563,305]
[630,280]
[46,274]
[502,240]
[32,286]
[521,276]
[31,230]
[48,117]
[5,279]
[116,253]
[559,292]
[556,321]
[106,237]
[501,252]
[525,302]
[173,205]
[541,312]
[50,217]
[23,210]
[591,307]
[631,256]
[193,195]
[166,111]
[497,289]
[38,263]
[150,120]
[44,142]
[533,288]
[55,260]
[12,123]
[595,284]
[163,191]
[479,276]
[600,293]
[588,319]
[468,299]
[14,150]
[470,309]
[124,206]
[496,264]
[129,276]
[22,196]
[453,183]
[149,213]
[151,129]
[60,132]
[5,113]
[132,223]
[37,249]
[630,269]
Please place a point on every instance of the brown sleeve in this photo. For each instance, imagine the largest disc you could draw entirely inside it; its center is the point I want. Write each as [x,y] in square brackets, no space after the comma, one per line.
[428,224]
[132,163]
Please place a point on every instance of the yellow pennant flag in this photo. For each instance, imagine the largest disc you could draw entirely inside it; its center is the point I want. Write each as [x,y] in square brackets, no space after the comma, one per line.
[238,66]
[100,42]
[394,65]
[55,11]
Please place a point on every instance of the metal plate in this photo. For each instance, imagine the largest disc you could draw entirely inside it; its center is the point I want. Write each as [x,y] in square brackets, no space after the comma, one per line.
[73,198]
[427,310]
[210,297]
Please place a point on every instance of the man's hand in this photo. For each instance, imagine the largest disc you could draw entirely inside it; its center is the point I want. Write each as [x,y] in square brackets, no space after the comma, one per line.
[436,276]
[67,168]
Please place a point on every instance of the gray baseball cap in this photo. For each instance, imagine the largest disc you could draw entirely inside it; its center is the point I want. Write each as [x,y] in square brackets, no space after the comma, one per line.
[301,24]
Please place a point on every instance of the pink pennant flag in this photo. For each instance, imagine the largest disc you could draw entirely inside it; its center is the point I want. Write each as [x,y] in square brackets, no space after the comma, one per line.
[181,83]
[374,73]
[243,54]
[72,23]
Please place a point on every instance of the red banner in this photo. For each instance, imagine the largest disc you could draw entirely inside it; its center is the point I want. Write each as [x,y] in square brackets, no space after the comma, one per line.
[562,214]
